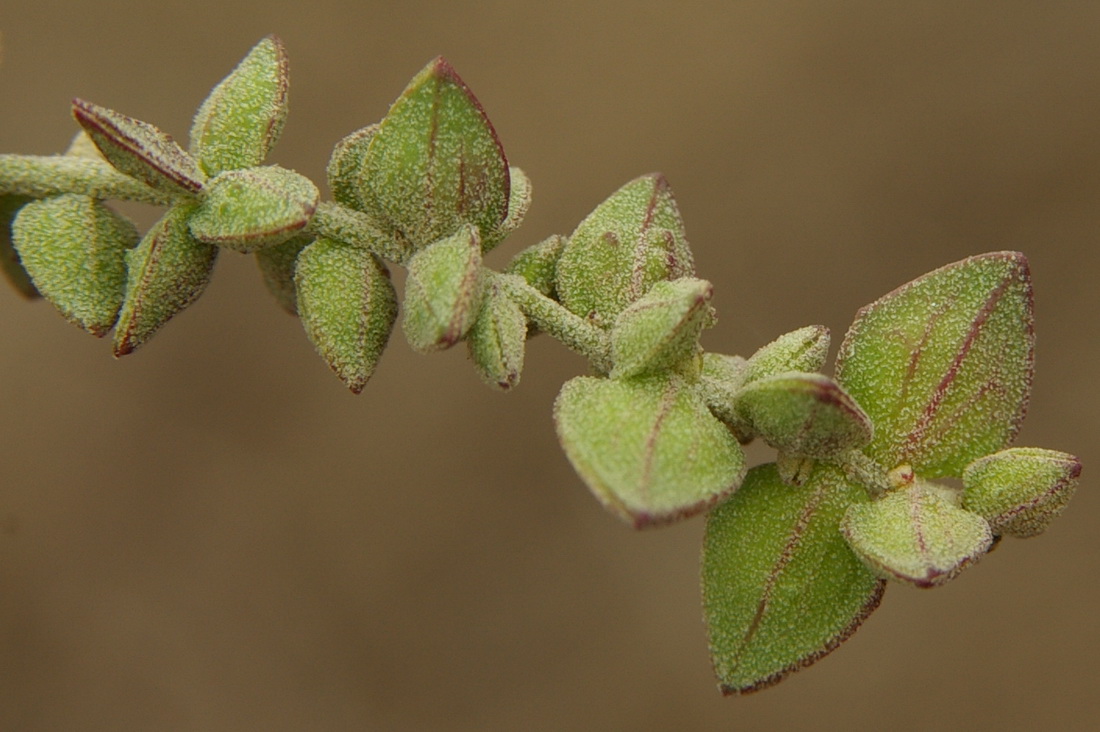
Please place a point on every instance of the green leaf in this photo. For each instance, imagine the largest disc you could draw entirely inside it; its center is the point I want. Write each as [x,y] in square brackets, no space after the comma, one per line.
[647,448]
[74,247]
[781,587]
[435,162]
[661,329]
[167,271]
[943,365]
[443,291]
[277,267]
[348,307]
[345,167]
[804,349]
[242,118]
[1019,491]
[254,208]
[139,149]
[632,240]
[803,414]
[497,339]
[916,535]
[10,265]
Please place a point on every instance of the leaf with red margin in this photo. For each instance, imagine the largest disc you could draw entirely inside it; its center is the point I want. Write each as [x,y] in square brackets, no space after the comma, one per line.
[917,535]
[435,162]
[781,586]
[647,447]
[139,149]
[943,365]
[241,119]
[167,271]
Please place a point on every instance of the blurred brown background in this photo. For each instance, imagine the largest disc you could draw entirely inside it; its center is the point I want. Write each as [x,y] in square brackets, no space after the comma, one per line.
[213,534]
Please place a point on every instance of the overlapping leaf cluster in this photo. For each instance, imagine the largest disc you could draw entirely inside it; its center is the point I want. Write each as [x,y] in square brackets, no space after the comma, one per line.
[931,382]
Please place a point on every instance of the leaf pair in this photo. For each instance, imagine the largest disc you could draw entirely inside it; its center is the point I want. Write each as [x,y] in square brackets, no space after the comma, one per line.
[433,179]
[221,199]
[643,439]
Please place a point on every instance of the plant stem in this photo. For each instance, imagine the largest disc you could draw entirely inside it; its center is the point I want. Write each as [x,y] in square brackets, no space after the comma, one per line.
[552,317]
[333,221]
[40,176]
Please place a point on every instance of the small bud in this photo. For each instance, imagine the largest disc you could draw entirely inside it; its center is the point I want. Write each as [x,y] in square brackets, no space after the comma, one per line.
[443,291]
[661,328]
[497,339]
[647,448]
[436,163]
[74,247]
[721,382]
[277,266]
[538,264]
[803,414]
[10,265]
[345,167]
[802,350]
[167,271]
[243,116]
[254,208]
[519,200]
[632,240]
[794,470]
[139,149]
[916,536]
[348,306]
[1019,491]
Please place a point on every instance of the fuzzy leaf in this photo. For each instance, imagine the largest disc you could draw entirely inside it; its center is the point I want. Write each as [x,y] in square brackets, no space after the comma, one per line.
[435,162]
[1019,491]
[9,258]
[443,291]
[943,364]
[277,267]
[348,306]
[803,414]
[254,208]
[661,328]
[345,167]
[781,588]
[243,116]
[632,240]
[74,247]
[647,448]
[497,339]
[917,535]
[519,201]
[167,271]
[804,349]
[139,149]
[538,264]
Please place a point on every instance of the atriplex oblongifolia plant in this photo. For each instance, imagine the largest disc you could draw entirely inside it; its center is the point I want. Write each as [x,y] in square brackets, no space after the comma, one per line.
[931,381]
